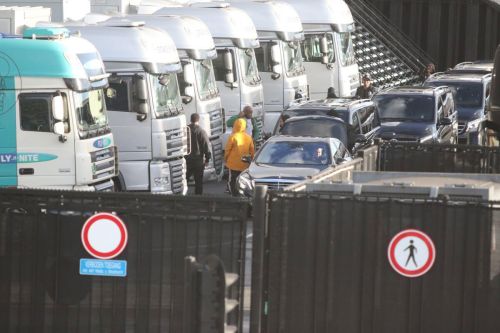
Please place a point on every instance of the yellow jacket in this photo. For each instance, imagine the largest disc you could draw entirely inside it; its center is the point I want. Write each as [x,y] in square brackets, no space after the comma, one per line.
[238,145]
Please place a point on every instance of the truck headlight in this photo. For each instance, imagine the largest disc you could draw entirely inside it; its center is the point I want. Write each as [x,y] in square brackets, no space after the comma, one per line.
[473,126]
[245,184]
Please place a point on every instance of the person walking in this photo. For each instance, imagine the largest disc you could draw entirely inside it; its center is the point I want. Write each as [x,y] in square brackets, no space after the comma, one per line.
[200,154]
[252,129]
[366,90]
[238,145]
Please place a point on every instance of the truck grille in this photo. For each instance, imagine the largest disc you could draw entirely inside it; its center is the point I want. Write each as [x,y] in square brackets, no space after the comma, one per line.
[103,163]
[177,142]
[178,176]
[217,154]
[462,125]
[216,123]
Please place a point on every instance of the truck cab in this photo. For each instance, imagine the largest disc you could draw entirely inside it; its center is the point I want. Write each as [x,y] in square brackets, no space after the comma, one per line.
[196,49]
[328,49]
[55,132]
[471,91]
[235,67]
[279,58]
[144,103]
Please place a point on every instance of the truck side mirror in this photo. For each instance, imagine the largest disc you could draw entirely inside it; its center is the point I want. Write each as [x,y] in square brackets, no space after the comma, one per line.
[275,58]
[59,128]
[58,108]
[140,88]
[228,67]
[188,74]
[323,45]
[140,97]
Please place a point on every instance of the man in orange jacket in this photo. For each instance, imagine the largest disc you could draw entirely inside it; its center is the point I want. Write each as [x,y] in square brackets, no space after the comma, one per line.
[238,145]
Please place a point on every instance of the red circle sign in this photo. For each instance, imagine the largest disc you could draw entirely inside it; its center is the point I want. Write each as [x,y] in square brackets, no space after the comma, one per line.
[104,236]
[411,253]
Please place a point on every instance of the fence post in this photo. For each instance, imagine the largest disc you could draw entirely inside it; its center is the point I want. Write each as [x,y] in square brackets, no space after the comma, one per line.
[259,234]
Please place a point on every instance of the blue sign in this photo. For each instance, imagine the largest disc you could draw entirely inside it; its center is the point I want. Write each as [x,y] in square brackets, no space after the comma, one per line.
[10,158]
[102,143]
[97,267]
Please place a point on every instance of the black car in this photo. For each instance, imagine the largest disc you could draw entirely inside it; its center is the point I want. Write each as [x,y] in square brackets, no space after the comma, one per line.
[416,114]
[322,127]
[357,113]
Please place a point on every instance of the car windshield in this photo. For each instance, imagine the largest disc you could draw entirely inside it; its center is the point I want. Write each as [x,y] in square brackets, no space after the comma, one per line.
[293,59]
[405,108]
[318,128]
[344,42]
[205,79]
[166,97]
[248,65]
[295,153]
[339,113]
[467,94]
[91,111]
[311,48]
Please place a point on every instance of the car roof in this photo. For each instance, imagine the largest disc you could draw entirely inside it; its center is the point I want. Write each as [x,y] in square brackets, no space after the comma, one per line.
[458,76]
[329,103]
[409,90]
[289,138]
[486,65]
[315,117]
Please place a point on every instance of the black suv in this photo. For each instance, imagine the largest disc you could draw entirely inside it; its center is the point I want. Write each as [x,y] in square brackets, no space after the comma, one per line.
[359,113]
[471,91]
[416,114]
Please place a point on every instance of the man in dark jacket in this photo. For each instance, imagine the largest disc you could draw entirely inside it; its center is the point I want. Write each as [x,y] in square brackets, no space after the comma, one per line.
[200,154]
[366,90]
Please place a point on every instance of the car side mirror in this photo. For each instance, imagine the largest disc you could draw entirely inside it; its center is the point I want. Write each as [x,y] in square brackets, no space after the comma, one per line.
[445,122]
[360,138]
[247,159]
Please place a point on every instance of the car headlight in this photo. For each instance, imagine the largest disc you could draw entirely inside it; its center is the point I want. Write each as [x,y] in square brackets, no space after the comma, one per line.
[473,126]
[245,184]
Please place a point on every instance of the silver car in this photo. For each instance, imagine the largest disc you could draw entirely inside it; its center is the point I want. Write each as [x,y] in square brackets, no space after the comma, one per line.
[285,160]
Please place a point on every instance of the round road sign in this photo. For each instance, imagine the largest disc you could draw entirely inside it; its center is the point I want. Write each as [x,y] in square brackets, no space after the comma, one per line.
[104,236]
[411,253]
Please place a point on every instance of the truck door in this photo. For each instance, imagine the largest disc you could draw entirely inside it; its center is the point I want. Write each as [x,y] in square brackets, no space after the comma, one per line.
[272,82]
[43,157]
[229,91]
[131,130]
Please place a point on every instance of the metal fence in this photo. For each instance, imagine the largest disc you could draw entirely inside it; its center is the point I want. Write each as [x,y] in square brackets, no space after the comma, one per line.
[41,289]
[406,157]
[324,266]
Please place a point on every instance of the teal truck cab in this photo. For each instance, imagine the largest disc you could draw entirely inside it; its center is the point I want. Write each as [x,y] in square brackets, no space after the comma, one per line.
[53,123]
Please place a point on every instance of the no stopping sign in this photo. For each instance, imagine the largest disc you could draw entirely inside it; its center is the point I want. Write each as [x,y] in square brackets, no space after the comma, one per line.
[104,236]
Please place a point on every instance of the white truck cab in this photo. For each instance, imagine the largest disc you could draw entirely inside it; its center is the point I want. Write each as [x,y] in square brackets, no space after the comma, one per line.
[279,57]
[144,105]
[54,130]
[235,67]
[328,49]
[199,91]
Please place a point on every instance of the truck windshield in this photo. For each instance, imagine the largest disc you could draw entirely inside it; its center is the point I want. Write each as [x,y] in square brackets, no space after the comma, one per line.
[405,108]
[311,48]
[248,65]
[293,59]
[205,79]
[91,111]
[467,94]
[166,97]
[344,42]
